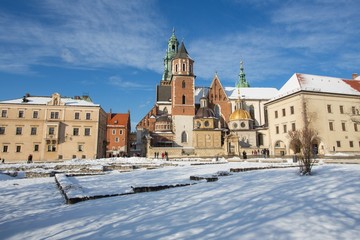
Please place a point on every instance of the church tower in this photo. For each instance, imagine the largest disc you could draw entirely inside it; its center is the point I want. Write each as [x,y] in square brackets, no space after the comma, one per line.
[183,96]
[171,51]
[242,82]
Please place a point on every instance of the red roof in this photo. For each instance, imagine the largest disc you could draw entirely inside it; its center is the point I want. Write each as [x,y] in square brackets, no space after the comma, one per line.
[355,84]
[118,118]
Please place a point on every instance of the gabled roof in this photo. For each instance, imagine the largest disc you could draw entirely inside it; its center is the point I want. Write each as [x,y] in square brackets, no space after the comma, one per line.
[264,93]
[217,79]
[182,53]
[118,119]
[313,83]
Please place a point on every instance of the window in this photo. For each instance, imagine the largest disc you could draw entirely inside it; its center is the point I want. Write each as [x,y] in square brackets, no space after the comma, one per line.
[2,130]
[285,128]
[331,126]
[183,99]
[88,116]
[277,129]
[342,109]
[235,125]
[292,110]
[176,68]
[51,130]
[338,143]
[113,132]
[77,116]
[51,148]
[21,113]
[121,131]
[18,130]
[33,130]
[183,84]
[4,113]
[351,143]
[18,149]
[283,112]
[87,131]
[6,148]
[36,147]
[116,139]
[35,114]
[353,110]
[54,115]
[276,114]
[183,137]
[329,108]
[355,127]
[293,126]
[206,123]
[184,67]
[343,126]
[76,131]
[80,148]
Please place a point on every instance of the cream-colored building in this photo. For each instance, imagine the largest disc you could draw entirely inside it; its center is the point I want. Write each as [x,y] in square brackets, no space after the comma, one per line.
[328,103]
[51,128]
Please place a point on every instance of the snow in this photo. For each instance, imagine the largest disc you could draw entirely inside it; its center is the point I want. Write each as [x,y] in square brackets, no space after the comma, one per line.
[262,204]
[46,100]
[251,93]
[314,83]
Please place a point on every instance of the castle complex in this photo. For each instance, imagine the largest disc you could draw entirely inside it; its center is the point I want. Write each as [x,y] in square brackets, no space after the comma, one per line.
[228,121]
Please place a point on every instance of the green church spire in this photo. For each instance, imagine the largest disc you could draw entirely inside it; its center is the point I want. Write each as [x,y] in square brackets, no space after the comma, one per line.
[242,79]
[171,51]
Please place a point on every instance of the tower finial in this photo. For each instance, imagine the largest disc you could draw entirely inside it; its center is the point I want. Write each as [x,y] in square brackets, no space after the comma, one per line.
[173,30]
[242,82]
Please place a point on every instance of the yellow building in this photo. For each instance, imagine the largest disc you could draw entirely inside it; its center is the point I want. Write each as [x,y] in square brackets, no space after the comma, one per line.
[328,103]
[51,128]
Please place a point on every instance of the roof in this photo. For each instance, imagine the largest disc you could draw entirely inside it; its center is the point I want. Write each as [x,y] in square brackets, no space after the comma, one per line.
[45,100]
[200,92]
[182,53]
[163,93]
[118,118]
[240,114]
[314,83]
[264,93]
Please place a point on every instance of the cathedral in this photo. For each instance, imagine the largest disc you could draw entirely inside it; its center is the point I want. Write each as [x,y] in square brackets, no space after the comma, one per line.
[191,121]
[187,120]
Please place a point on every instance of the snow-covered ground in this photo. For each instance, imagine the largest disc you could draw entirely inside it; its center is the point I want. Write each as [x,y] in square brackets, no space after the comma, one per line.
[264,204]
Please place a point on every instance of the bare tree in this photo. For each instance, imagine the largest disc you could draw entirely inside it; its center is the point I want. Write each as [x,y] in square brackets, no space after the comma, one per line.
[301,141]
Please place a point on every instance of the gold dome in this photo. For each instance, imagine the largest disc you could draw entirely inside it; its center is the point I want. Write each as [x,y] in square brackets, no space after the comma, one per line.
[240,114]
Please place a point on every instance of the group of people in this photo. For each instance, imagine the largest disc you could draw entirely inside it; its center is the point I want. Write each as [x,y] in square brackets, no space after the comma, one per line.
[163,155]
[264,152]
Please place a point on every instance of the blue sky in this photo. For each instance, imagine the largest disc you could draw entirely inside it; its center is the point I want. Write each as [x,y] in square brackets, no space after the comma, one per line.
[113,50]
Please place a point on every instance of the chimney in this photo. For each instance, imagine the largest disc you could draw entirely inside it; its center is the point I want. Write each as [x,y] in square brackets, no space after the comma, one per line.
[355,75]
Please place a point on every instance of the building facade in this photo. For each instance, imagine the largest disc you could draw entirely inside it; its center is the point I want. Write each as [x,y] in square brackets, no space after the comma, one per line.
[329,104]
[117,134]
[51,128]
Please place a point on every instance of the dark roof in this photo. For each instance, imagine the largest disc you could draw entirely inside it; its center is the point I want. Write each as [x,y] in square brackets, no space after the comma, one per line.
[205,112]
[163,93]
[182,53]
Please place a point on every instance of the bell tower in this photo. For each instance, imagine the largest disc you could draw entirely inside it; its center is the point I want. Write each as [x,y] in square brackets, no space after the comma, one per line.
[183,97]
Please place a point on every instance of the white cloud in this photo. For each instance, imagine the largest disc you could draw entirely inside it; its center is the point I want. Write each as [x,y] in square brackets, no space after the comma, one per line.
[84,33]
[127,85]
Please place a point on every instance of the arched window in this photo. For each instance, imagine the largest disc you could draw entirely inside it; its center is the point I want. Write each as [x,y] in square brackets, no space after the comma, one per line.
[176,68]
[217,111]
[183,99]
[183,84]
[252,112]
[184,137]
[183,67]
